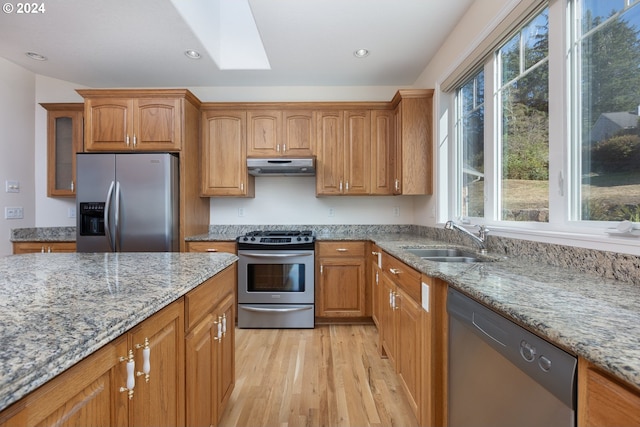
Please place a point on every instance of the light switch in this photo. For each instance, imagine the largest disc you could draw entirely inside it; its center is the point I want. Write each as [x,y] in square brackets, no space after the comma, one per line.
[12,186]
[13,213]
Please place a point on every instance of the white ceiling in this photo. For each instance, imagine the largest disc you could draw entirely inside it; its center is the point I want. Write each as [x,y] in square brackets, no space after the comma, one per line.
[141,43]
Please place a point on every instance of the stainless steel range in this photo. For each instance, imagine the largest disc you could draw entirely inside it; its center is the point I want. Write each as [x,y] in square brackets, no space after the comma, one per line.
[276,279]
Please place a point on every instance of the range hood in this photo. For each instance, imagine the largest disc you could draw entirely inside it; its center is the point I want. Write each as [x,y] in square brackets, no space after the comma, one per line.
[282,166]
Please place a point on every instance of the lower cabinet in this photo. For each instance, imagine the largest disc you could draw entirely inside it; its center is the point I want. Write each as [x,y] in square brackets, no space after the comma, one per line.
[43,247]
[401,331]
[340,284]
[188,380]
[101,391]
[210,349]
[604,400]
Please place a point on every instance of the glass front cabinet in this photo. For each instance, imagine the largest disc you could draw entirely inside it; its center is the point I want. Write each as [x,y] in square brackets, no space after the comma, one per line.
[64,140]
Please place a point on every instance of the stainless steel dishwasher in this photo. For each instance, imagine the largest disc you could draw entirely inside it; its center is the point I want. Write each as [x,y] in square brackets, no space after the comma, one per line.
[501,374]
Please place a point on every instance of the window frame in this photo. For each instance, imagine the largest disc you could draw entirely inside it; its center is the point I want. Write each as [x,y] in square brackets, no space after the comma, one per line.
[563,227]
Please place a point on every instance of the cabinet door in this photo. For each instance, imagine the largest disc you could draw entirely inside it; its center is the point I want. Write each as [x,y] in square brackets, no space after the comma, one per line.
[225,356]
[224,154]
[157,125]
[64,140]
[201,373]
[161,399]
[264,136]
[299,132]
[330,161]
[84,395]
[108,124]
[374,286]
[382,152]
[414,162]
[605,401]
[387,311]
[341,292]
[357,152]
[409,347]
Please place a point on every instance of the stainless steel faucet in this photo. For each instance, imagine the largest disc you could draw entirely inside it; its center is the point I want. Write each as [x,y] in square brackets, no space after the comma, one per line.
[480,239]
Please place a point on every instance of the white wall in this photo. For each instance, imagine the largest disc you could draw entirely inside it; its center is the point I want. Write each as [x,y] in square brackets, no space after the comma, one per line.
[292,200]
[50,211]
[465,36]
[17,94]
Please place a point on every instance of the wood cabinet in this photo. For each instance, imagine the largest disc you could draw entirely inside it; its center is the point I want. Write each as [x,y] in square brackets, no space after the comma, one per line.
[375,279]
[340,287]
[344,152]
[217,246]
[413,158]
[401,331]
[224,154]
[64,140]
[160,399]
[93,392]
[604,400]
[132,122]
[273,133]
[210,341]
[43,247]
[382,151]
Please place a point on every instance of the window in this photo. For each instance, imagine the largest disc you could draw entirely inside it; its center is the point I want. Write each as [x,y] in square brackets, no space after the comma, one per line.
[606,149]
[470,132]
[520,139]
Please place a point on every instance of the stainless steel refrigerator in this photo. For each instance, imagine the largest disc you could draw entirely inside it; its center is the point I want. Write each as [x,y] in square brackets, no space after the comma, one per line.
[127,202]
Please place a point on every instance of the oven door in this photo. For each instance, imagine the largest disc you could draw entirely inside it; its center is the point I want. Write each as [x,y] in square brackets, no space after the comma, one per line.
[275,276]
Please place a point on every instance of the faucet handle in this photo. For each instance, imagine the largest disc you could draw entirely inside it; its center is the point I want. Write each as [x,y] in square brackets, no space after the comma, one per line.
[483,231]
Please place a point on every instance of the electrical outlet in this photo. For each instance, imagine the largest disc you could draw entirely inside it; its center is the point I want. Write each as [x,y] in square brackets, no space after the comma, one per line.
[240,212]
[331,212]
[71,213]
[13,213]
[396,211]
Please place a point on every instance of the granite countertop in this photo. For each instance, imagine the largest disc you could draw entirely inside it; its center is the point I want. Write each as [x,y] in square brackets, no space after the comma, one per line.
[589,316]
[56,309]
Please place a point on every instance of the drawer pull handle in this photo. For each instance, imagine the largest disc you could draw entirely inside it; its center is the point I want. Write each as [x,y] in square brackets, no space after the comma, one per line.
[395,271]
[131,379]
[212,250]
[146,364]
[342,250]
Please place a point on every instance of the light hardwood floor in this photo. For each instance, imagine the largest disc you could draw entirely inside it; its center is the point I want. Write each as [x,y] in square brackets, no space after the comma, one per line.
[327,376]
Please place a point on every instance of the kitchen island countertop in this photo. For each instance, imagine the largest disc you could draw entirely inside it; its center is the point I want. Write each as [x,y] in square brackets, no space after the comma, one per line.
[56,309]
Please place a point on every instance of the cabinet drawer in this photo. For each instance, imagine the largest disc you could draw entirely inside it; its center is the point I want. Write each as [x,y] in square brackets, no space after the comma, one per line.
[205,297]
[229,247]
[332,249]
[403,275]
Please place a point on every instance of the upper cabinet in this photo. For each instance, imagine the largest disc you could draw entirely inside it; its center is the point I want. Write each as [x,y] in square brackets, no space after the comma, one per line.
[382,151]
[413,163]
[125,120]
[273,133]
[344,152]
[64,140]
[224,154]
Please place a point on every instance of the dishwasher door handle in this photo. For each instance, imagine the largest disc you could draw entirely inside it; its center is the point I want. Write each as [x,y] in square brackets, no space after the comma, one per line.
[491,330]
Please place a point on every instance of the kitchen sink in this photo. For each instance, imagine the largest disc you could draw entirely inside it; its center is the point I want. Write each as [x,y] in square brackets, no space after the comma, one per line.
[444,254]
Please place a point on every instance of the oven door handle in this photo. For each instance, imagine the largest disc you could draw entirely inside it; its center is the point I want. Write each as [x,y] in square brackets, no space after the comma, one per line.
[254,255]
[276,310]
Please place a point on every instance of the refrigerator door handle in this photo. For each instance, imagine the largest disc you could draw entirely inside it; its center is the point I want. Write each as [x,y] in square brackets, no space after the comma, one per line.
[107,209]
[117,217]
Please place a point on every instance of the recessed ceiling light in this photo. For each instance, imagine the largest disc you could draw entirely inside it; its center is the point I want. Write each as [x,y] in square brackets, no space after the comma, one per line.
[192,54]
[36,56]
[361,53]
